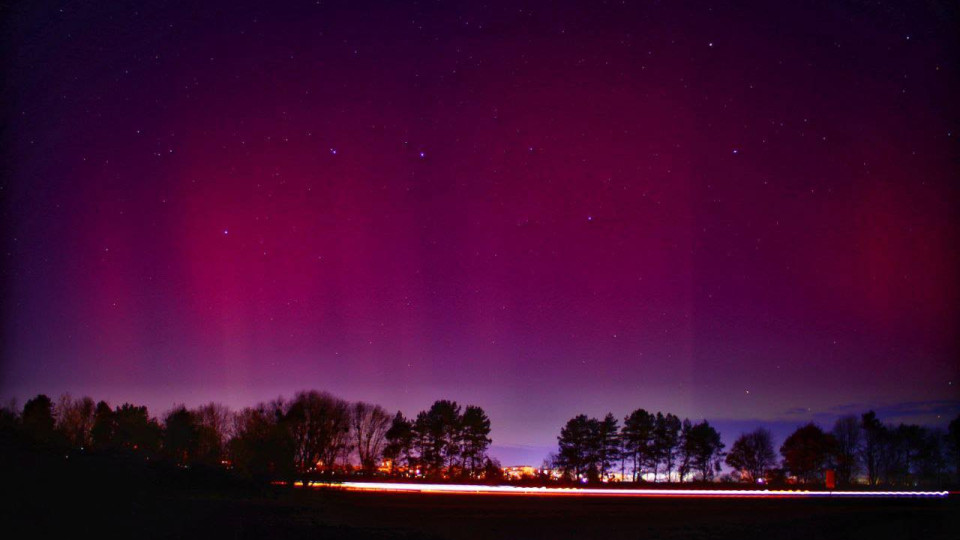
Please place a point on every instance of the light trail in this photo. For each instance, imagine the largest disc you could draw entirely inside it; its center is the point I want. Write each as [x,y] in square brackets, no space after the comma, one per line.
[467,489]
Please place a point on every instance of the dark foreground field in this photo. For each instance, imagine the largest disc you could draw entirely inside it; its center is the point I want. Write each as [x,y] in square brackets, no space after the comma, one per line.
[365,515]
[163,504]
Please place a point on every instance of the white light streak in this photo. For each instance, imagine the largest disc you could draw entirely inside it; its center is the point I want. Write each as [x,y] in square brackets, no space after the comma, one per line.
[467,489]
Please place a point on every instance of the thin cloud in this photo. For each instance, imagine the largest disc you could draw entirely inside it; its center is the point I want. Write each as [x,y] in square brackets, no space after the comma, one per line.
[919,412]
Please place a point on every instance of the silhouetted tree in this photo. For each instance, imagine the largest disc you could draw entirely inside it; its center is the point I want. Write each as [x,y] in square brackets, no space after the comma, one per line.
[705,449]
[953,445]
[75,420]
[579,444]
[103,434]
[807,452]
[906,455]
[685,450]
[399,442]
[914,455]
[666,437]
[136,431]
[262,444]
[181,437]
[320,426]
[752,454]
[214,427]
[608,444]
[594,445]
[37,420]
[9,423]
[872,449]
[848,435]
[370,424]
[492,471]
[127,428]
[637,436]
[932,459]
[475,439]
[436,434]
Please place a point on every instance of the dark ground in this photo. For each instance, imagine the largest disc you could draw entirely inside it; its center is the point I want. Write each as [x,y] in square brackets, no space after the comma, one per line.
[104,500]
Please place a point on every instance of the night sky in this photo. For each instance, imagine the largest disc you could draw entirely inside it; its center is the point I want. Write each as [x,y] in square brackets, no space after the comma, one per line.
[745,213]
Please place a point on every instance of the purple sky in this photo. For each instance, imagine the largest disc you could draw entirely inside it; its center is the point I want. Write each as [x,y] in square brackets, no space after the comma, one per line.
[745,213]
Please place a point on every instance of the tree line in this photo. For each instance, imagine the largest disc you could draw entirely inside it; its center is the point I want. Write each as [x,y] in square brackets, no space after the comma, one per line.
[856,448]
[657,447]
[312,433]
[318,433]
[647,446]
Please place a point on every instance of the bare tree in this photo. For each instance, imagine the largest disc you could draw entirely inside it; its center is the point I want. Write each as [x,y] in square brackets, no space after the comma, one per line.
[75,419]
[752,454]
[370,424]
[215,427]
[872,450]
[953,445]
[320,426]
[848,434]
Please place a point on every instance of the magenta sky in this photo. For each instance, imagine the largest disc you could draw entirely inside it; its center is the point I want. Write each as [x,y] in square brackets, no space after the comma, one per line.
[739,213]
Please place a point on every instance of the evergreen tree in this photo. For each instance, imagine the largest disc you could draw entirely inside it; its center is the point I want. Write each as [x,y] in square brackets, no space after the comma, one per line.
[399,442]
[608,447]
[475,439]
[666,438]
[705,449]
[579,448]
[637,434]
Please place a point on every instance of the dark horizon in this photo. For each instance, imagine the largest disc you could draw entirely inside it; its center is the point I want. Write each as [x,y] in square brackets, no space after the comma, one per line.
[744,213]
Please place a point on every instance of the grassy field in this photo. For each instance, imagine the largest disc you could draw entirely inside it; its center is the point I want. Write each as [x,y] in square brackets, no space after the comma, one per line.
[474,517]
[64,501]
[288,513]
